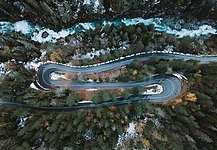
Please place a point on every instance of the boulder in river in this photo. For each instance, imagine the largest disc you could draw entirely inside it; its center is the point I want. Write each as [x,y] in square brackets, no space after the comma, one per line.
[44,34]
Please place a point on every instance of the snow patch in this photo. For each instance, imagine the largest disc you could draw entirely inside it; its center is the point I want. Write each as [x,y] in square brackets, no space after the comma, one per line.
[168,49]
[19,5]
[91,55]
[55,76]
[43,53]
[155,89]
[32,65]
[130,133]
[91,90]
[156,1]
[96,53]
[22,121]
[3,71]
[96,5]
[2,68]
[32,85]
[86,2]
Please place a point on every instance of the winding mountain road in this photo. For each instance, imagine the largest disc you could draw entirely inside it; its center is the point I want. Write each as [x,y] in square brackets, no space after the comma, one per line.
[172,90]
[171,84]
[43,77]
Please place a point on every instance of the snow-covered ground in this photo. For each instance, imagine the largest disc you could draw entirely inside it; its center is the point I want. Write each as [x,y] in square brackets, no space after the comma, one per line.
[36,32]
[22,121]
[96,5]
[94,53]
[2,69]
[36,62]
[43,53]
[91,89]
[55,76]
[91,55]
[168,49]
[32,65]
[131,132]
[32,85]
[154,89]
[86,2]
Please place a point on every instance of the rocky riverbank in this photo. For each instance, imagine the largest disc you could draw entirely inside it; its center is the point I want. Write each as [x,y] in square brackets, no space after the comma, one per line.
[57,14]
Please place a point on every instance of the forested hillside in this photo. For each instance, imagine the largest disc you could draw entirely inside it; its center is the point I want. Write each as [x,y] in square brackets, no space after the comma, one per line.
[57,14]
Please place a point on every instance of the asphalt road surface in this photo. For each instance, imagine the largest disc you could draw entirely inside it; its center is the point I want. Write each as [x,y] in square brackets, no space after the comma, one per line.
[171,84]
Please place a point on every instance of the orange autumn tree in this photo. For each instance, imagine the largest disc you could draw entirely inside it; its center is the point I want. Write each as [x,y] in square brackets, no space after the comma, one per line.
[191,97]
[55,56]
